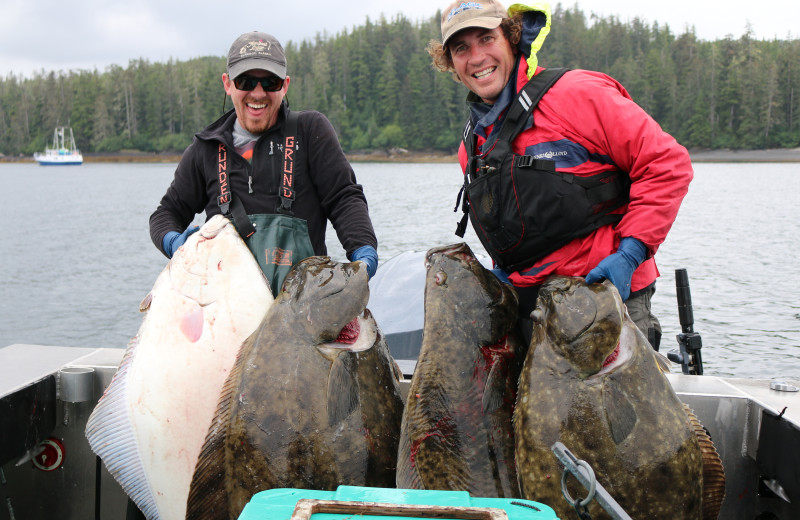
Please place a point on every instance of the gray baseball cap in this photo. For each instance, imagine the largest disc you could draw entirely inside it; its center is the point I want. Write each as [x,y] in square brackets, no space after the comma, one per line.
[256,50]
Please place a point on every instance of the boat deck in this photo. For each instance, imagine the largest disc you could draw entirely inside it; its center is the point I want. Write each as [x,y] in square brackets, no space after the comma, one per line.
[755,428]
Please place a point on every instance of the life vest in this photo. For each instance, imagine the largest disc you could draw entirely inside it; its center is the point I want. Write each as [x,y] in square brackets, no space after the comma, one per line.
[521,208]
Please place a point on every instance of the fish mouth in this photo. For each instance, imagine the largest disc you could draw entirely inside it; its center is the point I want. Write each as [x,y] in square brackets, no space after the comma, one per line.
[358,335]
[620,356]
[214,226]
[439,257]
[196,261]
[460,252]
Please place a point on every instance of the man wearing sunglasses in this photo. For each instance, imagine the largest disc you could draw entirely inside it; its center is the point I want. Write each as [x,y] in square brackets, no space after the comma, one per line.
[279,174]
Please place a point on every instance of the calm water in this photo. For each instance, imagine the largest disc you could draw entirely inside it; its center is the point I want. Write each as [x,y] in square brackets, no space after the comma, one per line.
[77,259]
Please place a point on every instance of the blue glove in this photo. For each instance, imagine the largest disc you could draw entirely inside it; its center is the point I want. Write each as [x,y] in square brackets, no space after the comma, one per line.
[619,267]
[501,275]
[369,256]
[173,240]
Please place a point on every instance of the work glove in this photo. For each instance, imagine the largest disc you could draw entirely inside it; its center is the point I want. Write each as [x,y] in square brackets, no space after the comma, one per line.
[369,256]
[619,267]
[173,240]
[501,275]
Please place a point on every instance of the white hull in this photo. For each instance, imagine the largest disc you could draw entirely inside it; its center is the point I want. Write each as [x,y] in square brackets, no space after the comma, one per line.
[54,158]
[63,152]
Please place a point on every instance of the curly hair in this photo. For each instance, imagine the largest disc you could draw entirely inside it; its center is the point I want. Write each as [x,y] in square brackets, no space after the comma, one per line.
[443,60]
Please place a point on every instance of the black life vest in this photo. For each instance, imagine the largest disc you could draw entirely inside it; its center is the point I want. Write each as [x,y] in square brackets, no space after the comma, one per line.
[521,208]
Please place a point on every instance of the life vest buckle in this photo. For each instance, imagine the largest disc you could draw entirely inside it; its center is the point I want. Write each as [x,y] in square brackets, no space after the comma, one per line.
[524,161]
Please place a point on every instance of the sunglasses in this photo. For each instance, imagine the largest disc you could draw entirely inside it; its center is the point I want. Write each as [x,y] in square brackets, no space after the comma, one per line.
[268,83]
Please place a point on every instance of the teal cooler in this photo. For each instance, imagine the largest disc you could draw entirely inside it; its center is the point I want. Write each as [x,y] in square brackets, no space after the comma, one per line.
[279,504]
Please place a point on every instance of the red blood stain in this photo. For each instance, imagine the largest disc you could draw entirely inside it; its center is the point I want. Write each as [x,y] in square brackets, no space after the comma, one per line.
[350,332]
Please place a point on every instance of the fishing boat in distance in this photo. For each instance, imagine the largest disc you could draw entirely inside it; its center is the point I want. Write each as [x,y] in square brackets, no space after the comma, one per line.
[63,151]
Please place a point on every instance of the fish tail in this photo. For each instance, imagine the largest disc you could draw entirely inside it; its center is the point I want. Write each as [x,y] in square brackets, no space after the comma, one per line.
[111,437]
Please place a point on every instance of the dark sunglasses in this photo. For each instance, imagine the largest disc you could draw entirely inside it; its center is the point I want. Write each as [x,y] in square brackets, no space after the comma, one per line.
[268,83]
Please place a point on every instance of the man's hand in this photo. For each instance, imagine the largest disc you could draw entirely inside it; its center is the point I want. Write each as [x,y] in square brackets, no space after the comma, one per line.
[173,240]
[619,267]
[369,256]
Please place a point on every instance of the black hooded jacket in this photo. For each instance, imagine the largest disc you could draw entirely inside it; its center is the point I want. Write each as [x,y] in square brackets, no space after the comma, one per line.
[324,182]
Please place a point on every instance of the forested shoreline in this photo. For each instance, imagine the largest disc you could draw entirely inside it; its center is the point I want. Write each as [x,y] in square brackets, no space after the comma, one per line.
[376,85]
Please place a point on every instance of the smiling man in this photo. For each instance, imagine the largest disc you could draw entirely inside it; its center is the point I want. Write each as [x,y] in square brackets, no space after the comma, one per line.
[564,173]
[280,175]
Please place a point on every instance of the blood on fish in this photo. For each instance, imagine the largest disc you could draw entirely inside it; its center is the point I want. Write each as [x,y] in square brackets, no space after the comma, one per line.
[612,357]
[500,349]
[350,332]
[444,428]
[491,354]
[416,445]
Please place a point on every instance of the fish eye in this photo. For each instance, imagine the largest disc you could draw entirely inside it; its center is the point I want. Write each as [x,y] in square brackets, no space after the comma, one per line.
[441,278]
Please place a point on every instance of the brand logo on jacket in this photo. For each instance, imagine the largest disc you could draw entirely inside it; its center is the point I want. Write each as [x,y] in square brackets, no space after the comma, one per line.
[550,155]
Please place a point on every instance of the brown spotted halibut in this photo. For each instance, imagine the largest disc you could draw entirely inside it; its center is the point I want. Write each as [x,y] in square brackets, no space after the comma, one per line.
[592,381]
[313,401]
[457,432]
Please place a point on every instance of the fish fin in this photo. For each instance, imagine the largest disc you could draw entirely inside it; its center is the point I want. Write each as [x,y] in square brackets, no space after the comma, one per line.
[494,391]
[144,306]
[430,435]
[406,474]
[207,492]
[342,389]
[620,413]
[112,437]
[663,362]
[713,471]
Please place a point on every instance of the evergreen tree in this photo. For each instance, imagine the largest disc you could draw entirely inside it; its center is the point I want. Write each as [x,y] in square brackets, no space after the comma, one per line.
[376,85]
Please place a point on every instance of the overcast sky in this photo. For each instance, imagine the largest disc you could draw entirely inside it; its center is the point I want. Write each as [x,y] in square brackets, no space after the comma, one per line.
[65,35]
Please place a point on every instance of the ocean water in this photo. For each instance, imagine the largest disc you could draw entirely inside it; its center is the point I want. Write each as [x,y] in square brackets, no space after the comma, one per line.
[76,256]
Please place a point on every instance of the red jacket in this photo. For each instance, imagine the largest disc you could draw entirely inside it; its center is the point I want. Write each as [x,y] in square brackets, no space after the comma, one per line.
[588,123]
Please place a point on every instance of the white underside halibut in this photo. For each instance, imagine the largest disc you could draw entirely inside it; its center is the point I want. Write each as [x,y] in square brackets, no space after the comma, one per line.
[150,425]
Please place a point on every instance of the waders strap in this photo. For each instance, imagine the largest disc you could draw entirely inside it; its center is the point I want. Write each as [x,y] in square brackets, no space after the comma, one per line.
[290,146]
[228,204]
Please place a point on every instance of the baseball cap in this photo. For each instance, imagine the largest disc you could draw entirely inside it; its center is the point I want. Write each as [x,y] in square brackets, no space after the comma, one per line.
[256,50]
[460,15]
